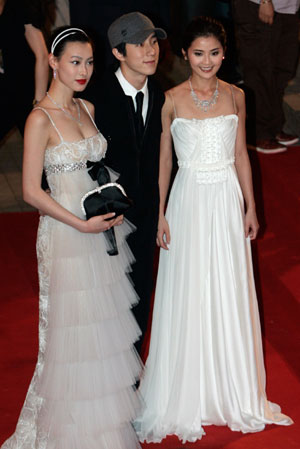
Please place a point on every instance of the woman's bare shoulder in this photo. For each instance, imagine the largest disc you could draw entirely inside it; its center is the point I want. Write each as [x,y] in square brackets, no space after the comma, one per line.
[178,94]
[38,128]
[178,90]
[89,105]
[231,89]
[38,117]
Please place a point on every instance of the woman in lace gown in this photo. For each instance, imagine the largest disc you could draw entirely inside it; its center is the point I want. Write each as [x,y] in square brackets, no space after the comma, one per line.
[81,394]
[205,363]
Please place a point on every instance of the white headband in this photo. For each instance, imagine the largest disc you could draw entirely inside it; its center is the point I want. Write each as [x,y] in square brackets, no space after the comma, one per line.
[58,38]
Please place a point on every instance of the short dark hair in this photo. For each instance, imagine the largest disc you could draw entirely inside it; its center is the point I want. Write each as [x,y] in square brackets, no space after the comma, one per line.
[76,36]
[203,26]
[121,48]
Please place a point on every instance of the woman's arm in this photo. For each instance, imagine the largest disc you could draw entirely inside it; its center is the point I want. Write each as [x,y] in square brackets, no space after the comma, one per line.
[243,168]
[36,137]
[165,169]
[36,42]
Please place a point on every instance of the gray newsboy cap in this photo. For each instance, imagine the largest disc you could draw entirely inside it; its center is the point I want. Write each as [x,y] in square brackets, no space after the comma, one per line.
[132,28]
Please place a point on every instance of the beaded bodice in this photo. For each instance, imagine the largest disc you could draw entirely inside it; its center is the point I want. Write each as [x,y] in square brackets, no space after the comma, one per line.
[206,146]
[70,156]
[65,165]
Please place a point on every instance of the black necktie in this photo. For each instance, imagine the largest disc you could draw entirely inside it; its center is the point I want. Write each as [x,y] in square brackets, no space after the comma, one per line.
[138,114]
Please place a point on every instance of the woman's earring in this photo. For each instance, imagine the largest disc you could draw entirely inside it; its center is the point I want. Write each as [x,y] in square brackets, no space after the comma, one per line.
[223,57]
[54,74]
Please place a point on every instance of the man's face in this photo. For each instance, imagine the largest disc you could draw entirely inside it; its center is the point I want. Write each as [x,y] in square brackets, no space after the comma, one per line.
[141,59]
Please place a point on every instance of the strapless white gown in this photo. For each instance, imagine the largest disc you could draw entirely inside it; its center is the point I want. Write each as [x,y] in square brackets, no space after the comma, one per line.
[205,364]
[81,394]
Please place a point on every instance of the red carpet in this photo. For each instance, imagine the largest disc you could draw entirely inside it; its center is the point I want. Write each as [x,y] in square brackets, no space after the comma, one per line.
[277,267]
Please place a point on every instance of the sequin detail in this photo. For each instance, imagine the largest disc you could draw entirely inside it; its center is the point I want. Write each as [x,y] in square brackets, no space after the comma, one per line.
[63,168]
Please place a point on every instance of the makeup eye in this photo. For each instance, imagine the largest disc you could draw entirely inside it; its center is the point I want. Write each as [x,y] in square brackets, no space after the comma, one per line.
[91,62]
[75,62]
[215,53]
[198,53]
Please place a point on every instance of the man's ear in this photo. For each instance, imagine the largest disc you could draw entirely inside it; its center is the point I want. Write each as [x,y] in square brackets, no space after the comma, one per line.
[119,56]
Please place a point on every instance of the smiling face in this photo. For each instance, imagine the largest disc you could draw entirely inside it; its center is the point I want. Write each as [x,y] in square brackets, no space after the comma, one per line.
[205,56]
[75,66]
[140,60]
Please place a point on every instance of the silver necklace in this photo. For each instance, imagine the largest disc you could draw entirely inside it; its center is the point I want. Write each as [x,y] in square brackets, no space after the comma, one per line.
[204,105]
[75,119]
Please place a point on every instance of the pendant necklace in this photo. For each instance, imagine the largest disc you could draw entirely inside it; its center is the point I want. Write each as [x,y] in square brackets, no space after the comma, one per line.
[75,119]
[204,105]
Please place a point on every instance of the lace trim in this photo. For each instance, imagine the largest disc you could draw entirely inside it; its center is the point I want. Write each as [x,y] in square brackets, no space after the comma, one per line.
[26,435]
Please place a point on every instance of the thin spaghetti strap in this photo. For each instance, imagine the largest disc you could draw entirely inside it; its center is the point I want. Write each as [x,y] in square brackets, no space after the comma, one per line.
[51,120]
[175,113]
[233,99]
[89,114]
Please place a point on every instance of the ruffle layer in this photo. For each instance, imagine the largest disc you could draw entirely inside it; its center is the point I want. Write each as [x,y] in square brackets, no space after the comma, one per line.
[89,342]
[90,417]
[85,266]
[88,380]
[118,439]
[91,305]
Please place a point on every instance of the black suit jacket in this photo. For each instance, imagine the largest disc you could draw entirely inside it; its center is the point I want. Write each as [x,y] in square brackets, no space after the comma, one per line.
[137,163]
[138,166]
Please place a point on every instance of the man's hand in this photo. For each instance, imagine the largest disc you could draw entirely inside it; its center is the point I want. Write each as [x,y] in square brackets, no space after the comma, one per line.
[266,13]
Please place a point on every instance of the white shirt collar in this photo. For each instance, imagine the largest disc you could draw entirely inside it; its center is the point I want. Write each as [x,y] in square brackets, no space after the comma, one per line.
[128,88]
[131,91]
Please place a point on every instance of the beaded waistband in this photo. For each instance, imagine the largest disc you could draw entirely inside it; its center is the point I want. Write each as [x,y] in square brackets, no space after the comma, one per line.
[200,166]
[62,168]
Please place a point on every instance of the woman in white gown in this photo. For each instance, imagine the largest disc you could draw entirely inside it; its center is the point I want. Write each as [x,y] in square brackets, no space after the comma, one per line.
[81,395]
[205,363]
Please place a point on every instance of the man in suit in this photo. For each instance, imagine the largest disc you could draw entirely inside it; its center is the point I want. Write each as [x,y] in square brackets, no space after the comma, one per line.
[128,106]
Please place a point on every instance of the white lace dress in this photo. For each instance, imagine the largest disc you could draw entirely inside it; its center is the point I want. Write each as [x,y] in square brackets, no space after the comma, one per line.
[205,364]
[81,394]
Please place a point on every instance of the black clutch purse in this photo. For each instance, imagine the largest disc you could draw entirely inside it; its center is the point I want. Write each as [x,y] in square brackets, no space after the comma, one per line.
[108,197]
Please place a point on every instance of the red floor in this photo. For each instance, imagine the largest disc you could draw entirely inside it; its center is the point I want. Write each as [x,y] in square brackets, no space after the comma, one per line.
[276,257]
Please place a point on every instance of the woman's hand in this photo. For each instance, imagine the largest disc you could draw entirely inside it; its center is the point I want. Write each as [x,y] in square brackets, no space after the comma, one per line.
[251,224]
[163,237]
[99,223]
[118,221]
